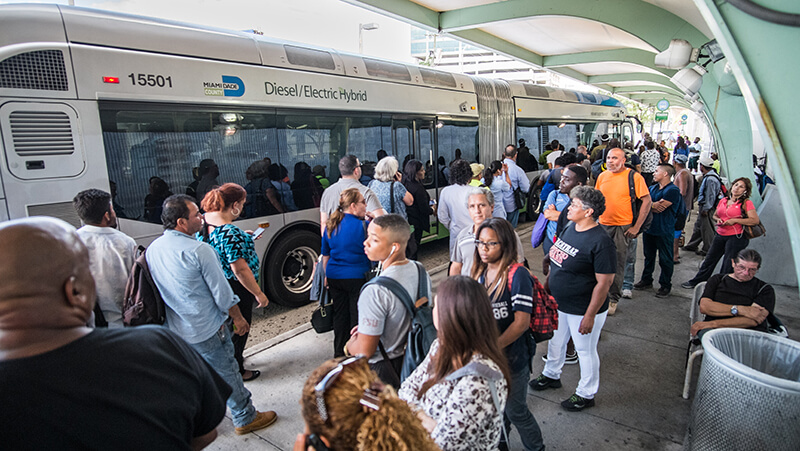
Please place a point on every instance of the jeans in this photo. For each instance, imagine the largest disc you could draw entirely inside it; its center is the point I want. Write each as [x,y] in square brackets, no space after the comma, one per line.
[617,234]
[217,351]
[725,247]
[585,345]
[513,218]
[661,244]
[344,293]
[630,265]
[518,413]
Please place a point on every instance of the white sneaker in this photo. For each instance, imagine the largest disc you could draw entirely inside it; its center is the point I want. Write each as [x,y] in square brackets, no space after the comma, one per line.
[627,294]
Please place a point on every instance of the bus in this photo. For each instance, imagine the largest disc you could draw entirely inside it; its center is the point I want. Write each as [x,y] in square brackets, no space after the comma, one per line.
[139,107]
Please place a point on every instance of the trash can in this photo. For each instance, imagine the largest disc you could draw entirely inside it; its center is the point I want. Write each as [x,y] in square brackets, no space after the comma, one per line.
[748,394]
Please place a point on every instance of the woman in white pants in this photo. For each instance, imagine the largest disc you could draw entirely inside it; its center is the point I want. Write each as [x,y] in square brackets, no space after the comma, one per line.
[582,267]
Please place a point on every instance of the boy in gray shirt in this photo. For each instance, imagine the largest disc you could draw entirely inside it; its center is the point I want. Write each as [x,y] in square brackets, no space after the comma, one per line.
[382,318]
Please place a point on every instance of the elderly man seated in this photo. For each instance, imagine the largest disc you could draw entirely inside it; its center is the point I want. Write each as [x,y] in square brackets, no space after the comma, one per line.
[739,299]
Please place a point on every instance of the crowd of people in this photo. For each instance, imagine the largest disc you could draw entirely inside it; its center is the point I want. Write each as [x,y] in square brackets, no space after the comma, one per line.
[63,302]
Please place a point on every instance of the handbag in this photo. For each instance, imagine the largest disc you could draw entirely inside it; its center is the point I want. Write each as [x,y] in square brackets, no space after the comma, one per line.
[755,231]
[322,318]
[519,199]
[539,231]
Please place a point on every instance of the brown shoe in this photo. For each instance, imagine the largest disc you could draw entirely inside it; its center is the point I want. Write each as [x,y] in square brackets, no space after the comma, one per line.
[612,308]
[262,420]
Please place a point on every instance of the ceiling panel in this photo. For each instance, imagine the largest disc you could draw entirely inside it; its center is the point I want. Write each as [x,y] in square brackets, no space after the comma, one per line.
[610,68]
[449,5]
[620,84]
[555,35]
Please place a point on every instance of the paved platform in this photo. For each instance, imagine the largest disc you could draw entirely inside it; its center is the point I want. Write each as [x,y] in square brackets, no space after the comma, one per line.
[639,405]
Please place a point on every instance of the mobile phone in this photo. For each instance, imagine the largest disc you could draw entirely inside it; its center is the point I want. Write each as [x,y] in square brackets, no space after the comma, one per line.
[260,230]
[432,202]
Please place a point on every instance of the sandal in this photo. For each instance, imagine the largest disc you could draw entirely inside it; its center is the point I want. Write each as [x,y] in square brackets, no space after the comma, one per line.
[253,375]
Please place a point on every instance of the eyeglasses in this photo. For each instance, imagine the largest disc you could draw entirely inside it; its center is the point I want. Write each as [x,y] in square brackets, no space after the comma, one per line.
[327,381]
[743,268]
[487,245]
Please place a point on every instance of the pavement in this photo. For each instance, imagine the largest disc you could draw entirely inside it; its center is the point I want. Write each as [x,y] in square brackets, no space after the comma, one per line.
[639,405]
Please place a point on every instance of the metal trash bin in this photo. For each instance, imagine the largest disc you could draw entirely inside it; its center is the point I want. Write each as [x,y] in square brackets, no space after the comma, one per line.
[748,394]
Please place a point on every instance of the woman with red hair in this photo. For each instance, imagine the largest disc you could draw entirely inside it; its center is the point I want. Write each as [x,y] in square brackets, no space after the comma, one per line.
[239,260]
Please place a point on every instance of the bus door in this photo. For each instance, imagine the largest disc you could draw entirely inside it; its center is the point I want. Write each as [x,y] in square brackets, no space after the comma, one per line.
[414,138]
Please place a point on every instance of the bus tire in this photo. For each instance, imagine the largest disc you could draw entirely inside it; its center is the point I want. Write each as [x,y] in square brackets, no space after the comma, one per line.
[533,204]
[287,274]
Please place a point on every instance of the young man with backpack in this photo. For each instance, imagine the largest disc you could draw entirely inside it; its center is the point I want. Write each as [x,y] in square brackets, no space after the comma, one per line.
[384,318]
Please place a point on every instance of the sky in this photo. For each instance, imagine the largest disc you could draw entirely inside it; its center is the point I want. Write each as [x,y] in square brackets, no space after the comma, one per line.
[324,23]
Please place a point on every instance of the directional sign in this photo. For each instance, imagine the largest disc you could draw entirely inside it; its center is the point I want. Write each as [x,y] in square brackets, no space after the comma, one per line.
[661,117]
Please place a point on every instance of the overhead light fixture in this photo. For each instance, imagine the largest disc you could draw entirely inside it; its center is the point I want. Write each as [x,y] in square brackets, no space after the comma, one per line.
[698,106]
[689,80]
[692,98]
[562,125]
[679,53]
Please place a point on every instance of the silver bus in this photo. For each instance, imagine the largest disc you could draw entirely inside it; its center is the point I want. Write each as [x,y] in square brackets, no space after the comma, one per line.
[134,105]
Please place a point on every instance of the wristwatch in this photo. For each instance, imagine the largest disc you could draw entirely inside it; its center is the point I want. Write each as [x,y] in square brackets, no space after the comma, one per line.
[734,310]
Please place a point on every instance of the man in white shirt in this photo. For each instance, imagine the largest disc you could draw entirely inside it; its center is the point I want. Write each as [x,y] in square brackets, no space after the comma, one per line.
[111,253]
[350,171]
[518,180]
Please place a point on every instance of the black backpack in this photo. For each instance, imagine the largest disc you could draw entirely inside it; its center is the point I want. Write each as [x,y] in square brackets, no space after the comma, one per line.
[422,332]
[142,303]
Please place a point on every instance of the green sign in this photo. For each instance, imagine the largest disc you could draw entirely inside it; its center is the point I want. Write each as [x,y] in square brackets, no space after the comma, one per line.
[661,117]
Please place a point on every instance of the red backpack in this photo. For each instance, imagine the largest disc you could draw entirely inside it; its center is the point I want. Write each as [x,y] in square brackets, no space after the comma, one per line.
[544,319]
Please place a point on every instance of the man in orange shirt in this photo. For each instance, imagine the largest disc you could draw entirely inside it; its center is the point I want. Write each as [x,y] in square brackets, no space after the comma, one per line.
[618,220]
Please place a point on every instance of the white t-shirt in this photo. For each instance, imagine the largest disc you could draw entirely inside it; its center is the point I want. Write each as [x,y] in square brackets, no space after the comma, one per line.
[381,313]
[111,255]
[551,157]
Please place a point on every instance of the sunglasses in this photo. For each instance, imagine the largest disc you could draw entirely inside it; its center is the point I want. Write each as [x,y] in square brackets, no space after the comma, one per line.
[328,381]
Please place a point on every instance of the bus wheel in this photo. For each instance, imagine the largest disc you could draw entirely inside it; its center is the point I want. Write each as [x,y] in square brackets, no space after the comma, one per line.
[533,204]
[289,268]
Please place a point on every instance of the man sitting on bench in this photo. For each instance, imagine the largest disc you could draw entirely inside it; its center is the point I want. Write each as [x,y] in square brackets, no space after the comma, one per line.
[738,299]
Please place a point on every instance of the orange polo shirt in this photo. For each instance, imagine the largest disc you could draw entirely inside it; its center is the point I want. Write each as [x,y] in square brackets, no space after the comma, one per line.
[618,197]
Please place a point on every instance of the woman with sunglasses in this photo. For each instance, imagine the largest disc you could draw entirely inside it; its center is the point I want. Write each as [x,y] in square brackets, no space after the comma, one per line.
[582,267]
[459,412]
[347,407]
[510,288]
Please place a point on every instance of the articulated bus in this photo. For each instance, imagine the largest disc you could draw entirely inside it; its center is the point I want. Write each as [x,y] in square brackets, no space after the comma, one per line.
[132,105]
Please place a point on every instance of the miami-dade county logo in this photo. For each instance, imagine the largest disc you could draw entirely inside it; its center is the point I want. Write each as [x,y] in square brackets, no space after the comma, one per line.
[230,87]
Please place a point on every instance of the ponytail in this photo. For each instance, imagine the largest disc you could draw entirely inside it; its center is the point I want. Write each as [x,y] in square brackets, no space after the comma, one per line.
[348,197]
[488,176]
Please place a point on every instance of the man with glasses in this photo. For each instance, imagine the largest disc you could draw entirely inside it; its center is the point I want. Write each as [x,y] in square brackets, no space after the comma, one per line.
[199,300]
[738,299]
[480,203]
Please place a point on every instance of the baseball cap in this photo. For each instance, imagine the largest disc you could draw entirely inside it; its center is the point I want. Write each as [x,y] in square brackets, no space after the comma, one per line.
[681,159]
[706,161]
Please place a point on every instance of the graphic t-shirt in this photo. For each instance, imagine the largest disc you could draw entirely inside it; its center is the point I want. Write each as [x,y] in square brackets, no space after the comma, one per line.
[575,258]
[519,299]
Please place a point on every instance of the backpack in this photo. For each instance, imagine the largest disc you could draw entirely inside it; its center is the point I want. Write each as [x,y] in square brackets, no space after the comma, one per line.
[257,204]
[599,165]
[421,333]
[544,319]
[474,368]
[681,214]
[636,204]
[142,303]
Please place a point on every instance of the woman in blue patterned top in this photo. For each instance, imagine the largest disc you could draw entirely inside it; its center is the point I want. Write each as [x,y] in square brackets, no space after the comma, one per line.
[386,183]
[238,257]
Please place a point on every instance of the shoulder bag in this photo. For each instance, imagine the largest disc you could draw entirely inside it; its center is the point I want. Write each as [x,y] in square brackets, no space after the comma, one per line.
[636,204]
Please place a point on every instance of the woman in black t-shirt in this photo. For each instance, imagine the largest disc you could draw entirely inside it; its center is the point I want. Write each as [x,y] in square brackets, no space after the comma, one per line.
[582,267]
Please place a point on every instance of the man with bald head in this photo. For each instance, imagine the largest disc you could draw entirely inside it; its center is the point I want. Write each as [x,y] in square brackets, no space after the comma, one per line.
[618,220]
[68,386]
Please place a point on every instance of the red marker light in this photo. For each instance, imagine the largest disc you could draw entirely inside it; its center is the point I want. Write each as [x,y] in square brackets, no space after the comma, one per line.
[111,80]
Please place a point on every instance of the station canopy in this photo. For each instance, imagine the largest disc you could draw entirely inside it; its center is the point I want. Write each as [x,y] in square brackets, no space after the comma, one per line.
[610,44]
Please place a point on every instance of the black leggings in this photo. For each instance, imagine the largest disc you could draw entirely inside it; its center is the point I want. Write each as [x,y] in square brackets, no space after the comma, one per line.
[725,247]
[246,301]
